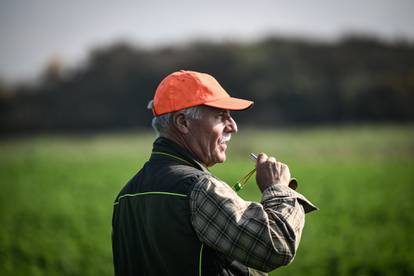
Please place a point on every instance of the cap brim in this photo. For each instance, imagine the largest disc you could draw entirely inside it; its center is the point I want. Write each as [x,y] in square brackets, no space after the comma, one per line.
[230,103]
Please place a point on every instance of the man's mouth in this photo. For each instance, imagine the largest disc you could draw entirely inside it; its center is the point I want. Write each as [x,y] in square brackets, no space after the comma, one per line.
[225,138]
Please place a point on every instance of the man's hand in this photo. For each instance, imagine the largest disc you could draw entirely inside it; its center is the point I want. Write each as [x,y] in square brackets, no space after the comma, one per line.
[270,172]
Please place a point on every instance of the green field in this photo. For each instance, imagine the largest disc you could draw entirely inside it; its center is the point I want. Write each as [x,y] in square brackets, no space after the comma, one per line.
[57,193]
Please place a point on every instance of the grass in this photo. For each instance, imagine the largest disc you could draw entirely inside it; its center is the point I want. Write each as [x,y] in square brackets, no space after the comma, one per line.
[57,194]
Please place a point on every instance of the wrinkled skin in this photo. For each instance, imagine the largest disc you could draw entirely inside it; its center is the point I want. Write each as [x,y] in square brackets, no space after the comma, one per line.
[206,137]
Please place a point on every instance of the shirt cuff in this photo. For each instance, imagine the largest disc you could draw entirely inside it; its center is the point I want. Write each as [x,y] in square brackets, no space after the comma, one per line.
[281,191]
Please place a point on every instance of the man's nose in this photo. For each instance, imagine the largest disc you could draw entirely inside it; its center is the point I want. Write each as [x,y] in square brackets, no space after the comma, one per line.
[232,126]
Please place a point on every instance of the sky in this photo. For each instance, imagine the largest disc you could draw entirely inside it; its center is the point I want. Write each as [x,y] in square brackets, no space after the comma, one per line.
[34,31]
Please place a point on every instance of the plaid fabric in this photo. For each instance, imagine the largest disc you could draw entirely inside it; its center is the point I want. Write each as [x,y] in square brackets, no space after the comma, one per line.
[262,235]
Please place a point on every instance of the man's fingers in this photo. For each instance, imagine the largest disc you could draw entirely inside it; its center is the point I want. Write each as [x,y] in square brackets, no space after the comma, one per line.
[285,167]
[262,157]
[268,161]
[272,159]
[269,171]
[272,163]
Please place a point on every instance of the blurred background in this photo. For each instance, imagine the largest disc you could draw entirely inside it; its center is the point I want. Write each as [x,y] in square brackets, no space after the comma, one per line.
[333,86]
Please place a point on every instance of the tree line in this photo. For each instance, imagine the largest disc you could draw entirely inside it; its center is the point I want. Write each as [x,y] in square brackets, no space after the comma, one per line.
[291,81]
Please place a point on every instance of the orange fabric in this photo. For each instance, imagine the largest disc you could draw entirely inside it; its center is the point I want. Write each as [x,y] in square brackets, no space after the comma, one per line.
[185,89]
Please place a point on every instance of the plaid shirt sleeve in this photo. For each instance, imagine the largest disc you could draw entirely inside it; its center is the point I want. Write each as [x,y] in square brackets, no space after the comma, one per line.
[262,235]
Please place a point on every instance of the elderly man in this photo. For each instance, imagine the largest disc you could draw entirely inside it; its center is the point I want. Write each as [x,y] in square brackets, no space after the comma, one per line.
[175,218]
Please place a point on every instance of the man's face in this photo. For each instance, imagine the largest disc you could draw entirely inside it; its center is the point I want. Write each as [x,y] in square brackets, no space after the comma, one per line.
[209,134]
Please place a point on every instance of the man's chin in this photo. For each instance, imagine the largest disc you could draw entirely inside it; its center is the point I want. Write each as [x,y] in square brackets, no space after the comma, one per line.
[221,158]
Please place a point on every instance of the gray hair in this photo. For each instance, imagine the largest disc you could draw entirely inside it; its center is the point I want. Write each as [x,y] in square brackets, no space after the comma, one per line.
[161,123]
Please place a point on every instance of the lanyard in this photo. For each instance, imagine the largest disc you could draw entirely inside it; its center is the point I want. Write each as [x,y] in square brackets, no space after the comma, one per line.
[242,182]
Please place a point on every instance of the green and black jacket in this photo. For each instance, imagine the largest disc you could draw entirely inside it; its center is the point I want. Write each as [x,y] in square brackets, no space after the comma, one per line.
[152,232]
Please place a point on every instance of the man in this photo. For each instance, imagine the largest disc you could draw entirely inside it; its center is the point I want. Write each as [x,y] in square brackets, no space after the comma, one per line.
[175,218]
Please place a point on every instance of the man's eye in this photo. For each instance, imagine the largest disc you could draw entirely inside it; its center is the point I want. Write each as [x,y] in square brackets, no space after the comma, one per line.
[222,116]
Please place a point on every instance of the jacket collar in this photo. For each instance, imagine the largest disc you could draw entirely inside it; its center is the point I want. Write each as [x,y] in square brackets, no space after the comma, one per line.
[166,148]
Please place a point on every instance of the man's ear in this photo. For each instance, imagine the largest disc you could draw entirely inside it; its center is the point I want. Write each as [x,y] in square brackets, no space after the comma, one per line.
[180,122]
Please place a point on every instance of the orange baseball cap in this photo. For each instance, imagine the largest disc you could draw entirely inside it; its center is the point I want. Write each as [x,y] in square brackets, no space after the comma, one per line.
[185,89]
